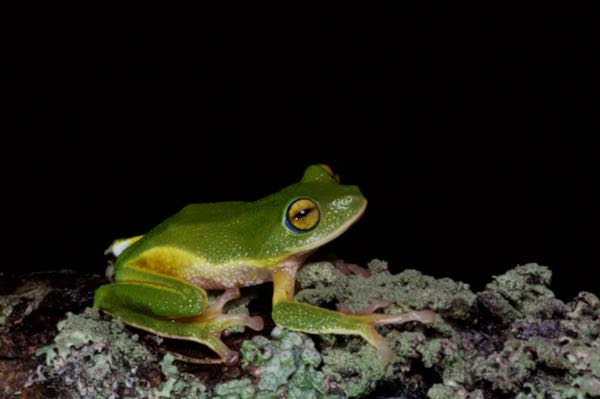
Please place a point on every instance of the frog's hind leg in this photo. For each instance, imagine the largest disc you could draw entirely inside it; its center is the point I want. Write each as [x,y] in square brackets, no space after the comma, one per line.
[174,309]
[218,321]
[212,322]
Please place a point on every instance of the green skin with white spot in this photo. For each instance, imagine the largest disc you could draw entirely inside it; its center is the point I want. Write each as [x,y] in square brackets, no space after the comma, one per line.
[160,280]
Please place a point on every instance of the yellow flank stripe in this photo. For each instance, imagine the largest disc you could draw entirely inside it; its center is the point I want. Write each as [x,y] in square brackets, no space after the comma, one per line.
[167,260]
[256,263]
[177,262]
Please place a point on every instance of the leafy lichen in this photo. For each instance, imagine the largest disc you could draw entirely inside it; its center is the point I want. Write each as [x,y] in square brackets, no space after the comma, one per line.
[540,346]
[513,339]
[92,358]
[353,373]
[284,366]
[322,283]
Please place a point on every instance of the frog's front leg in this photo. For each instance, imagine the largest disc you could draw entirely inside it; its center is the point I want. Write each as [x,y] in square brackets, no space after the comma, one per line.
[175,309]
[299,316]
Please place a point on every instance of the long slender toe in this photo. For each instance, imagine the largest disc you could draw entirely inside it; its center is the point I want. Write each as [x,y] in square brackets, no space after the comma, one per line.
[256,323]
[423,316]
[385,353]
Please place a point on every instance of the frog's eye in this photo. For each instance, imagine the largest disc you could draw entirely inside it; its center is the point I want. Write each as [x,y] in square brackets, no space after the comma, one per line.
[302,215]
[329,171]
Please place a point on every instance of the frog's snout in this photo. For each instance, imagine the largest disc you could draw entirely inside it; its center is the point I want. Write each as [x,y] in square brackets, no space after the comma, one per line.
[362,202]
[355,201]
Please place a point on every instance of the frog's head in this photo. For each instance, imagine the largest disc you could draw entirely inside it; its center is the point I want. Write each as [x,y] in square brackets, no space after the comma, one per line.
[312,212]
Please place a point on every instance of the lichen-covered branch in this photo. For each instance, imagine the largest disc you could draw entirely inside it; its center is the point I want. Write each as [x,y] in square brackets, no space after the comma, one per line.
[513,339]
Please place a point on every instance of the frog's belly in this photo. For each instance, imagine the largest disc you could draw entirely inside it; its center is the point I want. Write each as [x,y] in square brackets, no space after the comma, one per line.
[213,277]
[179,264]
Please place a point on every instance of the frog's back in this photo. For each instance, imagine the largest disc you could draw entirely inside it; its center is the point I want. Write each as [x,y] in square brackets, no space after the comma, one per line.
[207,230]
[209,245]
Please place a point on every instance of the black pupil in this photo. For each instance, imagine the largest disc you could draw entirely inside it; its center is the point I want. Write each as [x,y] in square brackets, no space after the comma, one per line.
[301,213]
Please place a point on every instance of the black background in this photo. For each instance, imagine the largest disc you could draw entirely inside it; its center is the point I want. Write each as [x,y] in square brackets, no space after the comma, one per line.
[471,136]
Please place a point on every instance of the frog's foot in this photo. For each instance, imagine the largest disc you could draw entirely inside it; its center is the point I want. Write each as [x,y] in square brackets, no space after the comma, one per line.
[222,321]
[228,295]
[382,303]
[226,355]
[207,328]
[214,313]
[350,269]
[373,337]
[423,316]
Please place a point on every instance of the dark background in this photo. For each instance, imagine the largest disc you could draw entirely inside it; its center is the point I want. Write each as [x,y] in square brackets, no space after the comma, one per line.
[471,137]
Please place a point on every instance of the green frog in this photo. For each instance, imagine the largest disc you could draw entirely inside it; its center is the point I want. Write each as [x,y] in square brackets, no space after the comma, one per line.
[161,278]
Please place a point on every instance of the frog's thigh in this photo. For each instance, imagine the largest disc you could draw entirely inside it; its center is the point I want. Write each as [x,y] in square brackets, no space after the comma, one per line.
[170,298]
[177,310]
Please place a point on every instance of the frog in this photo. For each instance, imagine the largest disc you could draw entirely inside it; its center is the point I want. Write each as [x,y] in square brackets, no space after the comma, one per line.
[162,278]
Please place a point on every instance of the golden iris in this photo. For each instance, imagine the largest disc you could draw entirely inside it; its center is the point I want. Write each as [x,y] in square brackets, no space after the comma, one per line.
[303,214]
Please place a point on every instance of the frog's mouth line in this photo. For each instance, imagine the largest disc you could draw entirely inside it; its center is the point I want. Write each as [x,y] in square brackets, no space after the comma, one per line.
[311,247]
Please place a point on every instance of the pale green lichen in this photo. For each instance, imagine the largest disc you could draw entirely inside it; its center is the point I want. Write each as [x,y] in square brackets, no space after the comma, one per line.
[441,391]
[177,385]
[95,358]
[87,331]
[514,339]
[522,292]
[286,366]
[354,370]
[542,347]
[321,283]
[358,371]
